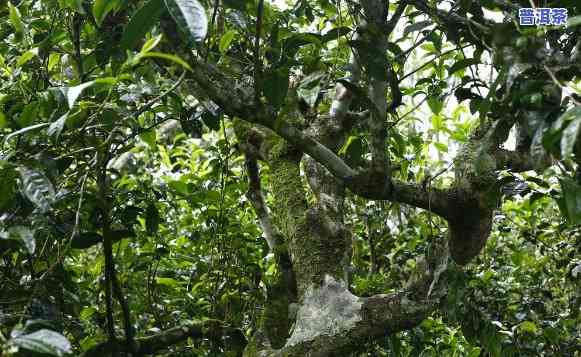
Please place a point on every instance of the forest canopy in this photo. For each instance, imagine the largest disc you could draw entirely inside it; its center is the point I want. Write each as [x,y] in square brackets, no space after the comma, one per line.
[290,178]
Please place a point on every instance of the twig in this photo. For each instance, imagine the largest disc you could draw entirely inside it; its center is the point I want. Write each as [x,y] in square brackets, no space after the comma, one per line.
[432,61]
[552,75]
[103,203]
[148,105]
[396,16]
[78,213]
[257,62]
[74,232]
[129,335]
[256,197]
[408,113]
[76,33]
[214,13]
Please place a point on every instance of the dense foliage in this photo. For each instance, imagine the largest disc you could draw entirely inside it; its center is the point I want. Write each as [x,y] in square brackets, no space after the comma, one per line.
[186,177]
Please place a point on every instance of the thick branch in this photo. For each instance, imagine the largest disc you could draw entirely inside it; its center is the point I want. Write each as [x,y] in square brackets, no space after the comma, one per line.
[237,102]
[372,27]
[519,161]
[256,197]
[211,329]
[333,322]
[432,199]
[452,19]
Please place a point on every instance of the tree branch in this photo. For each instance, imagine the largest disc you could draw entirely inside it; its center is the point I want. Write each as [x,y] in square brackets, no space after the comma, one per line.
[343,321]
[396,16]
[257,60]
[475,31]
[518,161]
[211,329]
[109,269]
[256,197]
[235,102]
[373,25]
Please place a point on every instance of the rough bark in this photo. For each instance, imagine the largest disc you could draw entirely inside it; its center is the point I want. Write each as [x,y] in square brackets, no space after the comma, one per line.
[276,319]
[333,322]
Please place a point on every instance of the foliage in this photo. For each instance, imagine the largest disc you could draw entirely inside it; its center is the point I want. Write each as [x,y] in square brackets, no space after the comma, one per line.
[124,196]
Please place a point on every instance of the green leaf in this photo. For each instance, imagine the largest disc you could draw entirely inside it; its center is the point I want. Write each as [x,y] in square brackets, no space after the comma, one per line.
[460,65]
[191,18]
[73,93]
[24,130]
[168,57]
[101,8]
[87,313]
[119,234]
[167,282]
[310,87]
[528,326]
[475,352]
[141,23]
[435,105]
[150,138]
[226,41]
[55,128]
[353,150]
[237,4]
[15,18]
[335,34]
[76,5]
[441,147]
[43,341]
[395,49]
[28,115]
[551,334]
[212,121]
[37,188]
[150,44]
[86,240]
[309,95]
[572,200]
[275,86]
[3,122]
[25,236]
[297,40]
[180,187]
[571,132]
[574,21]
[27,56]
[8,187]
[417,27]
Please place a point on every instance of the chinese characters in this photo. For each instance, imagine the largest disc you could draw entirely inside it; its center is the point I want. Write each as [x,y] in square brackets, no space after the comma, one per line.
[542,16]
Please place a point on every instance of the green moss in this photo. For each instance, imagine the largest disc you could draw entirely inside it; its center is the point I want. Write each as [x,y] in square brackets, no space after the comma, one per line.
[276,323]
[475,167]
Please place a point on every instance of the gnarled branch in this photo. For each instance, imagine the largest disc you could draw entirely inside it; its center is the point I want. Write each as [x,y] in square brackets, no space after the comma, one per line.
[333,322]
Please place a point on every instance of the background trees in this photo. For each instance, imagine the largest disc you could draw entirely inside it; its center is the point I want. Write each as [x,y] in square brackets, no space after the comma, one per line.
[192,178]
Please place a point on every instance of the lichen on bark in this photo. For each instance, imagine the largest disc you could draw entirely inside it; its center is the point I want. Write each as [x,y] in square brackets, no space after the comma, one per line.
[327,309]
